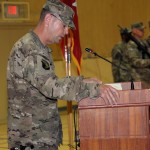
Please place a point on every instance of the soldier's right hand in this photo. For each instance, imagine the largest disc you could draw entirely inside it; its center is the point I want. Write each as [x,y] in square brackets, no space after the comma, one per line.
[109,94]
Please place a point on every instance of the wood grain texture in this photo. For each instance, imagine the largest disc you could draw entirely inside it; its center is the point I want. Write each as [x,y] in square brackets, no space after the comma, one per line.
[123,127]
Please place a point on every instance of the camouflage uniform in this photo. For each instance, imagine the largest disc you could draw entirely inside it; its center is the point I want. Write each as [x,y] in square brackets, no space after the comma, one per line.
[138,68]
[148,41]
[33,90]
[145,72]
[119,67]
[130,61]
[119,74]
[129,57]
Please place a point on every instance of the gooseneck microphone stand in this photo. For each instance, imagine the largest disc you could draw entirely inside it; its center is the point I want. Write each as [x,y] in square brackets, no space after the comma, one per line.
[94,53]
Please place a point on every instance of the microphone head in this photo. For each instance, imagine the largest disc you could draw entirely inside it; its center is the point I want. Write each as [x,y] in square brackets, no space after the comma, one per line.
[89,50]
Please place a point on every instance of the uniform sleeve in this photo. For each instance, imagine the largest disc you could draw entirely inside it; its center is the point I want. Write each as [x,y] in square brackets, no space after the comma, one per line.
[135,56]
[39,72]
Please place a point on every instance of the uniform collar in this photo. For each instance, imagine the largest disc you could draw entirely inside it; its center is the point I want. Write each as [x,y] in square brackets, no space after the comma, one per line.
[38,41]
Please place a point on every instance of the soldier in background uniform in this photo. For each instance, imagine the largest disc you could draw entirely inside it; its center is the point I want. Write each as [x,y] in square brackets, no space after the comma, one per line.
[117,57]
[33,87]
[137,62]
[133,63]
[147,40]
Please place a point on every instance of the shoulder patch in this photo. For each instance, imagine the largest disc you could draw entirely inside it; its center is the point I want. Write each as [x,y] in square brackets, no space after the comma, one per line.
[45,64]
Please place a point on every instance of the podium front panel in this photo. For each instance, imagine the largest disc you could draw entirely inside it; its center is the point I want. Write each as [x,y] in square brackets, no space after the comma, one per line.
[122,127]
[114,128]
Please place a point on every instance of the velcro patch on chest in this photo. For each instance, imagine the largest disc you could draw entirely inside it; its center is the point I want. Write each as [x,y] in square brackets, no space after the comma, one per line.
[45,64]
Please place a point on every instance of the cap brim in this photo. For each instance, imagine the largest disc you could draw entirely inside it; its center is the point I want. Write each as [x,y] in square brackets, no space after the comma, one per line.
[68,22]
[72,25]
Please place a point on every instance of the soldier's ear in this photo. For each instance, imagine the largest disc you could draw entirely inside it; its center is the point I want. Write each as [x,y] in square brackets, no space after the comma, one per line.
[47,19]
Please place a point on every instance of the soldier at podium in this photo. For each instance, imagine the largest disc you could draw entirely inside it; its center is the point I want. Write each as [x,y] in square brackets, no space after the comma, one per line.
[33,86]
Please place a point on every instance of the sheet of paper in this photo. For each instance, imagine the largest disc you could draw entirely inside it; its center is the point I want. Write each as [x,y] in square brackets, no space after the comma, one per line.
[117,86]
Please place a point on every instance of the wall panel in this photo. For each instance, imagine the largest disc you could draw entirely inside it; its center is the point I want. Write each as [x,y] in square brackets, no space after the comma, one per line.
[98,22]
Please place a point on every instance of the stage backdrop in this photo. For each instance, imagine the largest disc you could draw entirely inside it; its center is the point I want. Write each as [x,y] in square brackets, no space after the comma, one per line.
[98,22]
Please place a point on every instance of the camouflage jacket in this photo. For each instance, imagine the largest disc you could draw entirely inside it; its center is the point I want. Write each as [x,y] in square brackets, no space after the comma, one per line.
[138,67]
[147,41]
[129,57]
[117,59]
[33,90]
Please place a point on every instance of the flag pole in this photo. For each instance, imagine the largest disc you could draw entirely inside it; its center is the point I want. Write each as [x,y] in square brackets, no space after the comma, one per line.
[69,103]
[73,46]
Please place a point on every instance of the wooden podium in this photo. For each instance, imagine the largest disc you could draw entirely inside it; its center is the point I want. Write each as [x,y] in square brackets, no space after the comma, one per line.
[122,127]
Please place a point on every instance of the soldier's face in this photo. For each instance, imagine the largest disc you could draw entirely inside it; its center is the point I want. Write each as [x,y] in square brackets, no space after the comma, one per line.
[138,32]
[57,30]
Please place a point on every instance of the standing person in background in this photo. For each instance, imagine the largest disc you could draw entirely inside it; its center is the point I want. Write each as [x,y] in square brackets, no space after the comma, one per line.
[137,61]
[117,58]
[33,87]
[133,63]
[148,38]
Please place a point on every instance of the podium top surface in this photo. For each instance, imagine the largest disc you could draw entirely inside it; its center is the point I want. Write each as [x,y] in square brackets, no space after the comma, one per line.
[140,96]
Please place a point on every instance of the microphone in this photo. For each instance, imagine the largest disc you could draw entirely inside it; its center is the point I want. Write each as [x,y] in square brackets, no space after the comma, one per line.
[92,52]
[89,50]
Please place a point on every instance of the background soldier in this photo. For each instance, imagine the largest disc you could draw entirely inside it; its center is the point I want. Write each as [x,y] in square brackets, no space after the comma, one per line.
[133,56]
[117,57]
[136,59]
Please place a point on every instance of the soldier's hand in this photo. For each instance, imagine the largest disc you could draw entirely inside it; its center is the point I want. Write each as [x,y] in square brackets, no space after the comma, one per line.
[109,94]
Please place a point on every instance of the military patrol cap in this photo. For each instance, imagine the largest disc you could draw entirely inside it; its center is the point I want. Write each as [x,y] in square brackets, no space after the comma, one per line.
[61,11]
[138,25]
